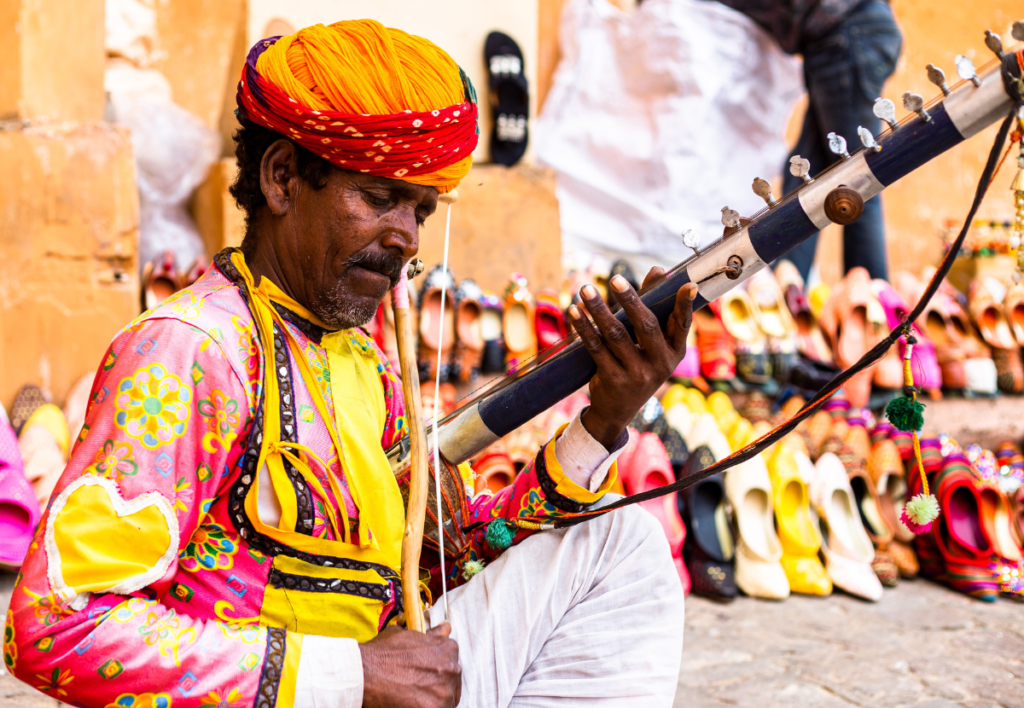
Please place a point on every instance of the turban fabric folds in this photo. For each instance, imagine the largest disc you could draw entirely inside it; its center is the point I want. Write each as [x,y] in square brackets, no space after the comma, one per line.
[365,98]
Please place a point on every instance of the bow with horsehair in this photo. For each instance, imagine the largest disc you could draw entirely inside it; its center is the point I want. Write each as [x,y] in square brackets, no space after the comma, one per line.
[974,104]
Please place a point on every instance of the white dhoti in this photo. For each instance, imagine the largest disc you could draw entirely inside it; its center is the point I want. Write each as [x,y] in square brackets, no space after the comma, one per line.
[584,616]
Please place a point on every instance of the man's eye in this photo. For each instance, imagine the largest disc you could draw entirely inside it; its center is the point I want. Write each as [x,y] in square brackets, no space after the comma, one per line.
[379,202]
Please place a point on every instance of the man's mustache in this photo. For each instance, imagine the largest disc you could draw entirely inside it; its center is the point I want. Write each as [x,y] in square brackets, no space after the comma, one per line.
[384,262]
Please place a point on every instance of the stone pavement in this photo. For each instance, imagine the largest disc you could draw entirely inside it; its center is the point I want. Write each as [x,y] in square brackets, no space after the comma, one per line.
[921,645]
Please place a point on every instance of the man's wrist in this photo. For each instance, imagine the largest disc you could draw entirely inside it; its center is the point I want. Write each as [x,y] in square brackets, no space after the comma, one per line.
[603,431]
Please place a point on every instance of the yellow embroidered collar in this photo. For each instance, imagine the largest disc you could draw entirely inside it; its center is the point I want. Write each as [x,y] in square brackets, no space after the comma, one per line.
[355,430]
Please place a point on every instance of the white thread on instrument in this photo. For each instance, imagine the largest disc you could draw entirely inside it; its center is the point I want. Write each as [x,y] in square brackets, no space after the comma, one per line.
[435,427]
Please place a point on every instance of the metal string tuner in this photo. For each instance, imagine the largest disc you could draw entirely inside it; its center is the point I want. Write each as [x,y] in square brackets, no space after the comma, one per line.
[867,139]
[885,109]
[800,167]
[994,42]
[965,69]
[730,218]
[691,240]
[764,190]
[938,77]
[914,102]
[837,144]
[414,268]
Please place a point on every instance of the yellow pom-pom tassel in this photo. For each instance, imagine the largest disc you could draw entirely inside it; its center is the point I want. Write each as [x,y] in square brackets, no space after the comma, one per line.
[920,512]
[471,568]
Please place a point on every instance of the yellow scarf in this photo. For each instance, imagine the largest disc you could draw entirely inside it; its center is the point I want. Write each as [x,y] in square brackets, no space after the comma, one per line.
[355,430]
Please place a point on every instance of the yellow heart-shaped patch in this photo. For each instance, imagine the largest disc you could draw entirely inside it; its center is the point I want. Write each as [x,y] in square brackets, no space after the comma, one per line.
[99,542]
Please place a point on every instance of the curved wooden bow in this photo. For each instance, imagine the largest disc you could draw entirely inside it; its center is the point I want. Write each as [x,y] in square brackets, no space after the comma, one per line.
[419,473]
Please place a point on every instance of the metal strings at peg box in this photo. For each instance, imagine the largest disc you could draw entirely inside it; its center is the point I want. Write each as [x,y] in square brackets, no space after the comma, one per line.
[500,410]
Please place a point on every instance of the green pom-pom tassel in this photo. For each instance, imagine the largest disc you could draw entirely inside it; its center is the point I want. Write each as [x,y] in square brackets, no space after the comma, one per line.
[500,534]
[905,414]
[471,568]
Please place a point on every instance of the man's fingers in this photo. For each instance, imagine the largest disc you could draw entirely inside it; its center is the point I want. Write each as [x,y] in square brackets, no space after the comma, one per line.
[655,273]
[645,324]
[682,318]
[616,337]
[591,338]
[444,629]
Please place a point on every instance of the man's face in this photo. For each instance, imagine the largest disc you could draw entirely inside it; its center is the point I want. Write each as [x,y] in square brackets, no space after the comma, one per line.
[344,246]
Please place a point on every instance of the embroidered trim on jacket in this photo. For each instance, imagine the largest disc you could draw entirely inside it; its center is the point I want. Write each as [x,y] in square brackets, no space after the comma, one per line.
[290,581]
[273,666]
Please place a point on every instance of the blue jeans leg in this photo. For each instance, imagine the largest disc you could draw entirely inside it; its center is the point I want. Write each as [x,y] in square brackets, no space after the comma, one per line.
[844,72]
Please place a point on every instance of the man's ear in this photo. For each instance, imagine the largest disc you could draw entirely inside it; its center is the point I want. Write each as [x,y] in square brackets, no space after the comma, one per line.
[279,177]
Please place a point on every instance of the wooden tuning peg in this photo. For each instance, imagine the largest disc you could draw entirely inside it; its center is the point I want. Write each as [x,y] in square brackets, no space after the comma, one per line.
[844,205]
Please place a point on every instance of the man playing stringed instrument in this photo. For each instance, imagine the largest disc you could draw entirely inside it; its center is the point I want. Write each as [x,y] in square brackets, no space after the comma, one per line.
[228,529]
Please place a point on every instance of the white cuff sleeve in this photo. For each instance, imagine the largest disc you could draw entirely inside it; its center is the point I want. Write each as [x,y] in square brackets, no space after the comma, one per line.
[330,673]
[584,459]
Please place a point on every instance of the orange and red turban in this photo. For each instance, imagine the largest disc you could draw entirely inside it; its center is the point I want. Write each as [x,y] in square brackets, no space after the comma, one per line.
[365,98]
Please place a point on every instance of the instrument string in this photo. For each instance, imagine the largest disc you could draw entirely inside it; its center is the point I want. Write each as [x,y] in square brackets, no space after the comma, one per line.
[872,356]
[437,404]
[540,358]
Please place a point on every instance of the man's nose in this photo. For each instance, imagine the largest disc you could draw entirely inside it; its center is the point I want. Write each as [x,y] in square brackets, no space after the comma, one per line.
[403,232]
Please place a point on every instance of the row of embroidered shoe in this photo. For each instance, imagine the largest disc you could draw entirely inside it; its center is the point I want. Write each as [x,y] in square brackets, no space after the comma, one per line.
[35,440]
[161,278]
[482,332]
[771,328]
[766,526]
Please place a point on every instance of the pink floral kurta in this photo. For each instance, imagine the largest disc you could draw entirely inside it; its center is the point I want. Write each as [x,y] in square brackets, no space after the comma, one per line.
[145,582]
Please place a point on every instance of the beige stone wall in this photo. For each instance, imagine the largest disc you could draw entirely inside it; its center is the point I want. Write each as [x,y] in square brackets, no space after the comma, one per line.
[506,220]
[68,241]
[52,67]
[217,216]
[196,48]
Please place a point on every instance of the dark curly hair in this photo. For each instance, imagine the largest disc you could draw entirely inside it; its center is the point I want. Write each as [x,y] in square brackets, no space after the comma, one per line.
[251,142]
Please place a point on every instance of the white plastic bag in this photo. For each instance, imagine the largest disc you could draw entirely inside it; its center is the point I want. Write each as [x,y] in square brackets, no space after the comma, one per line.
[173,153]
[130,30]
[656,120]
